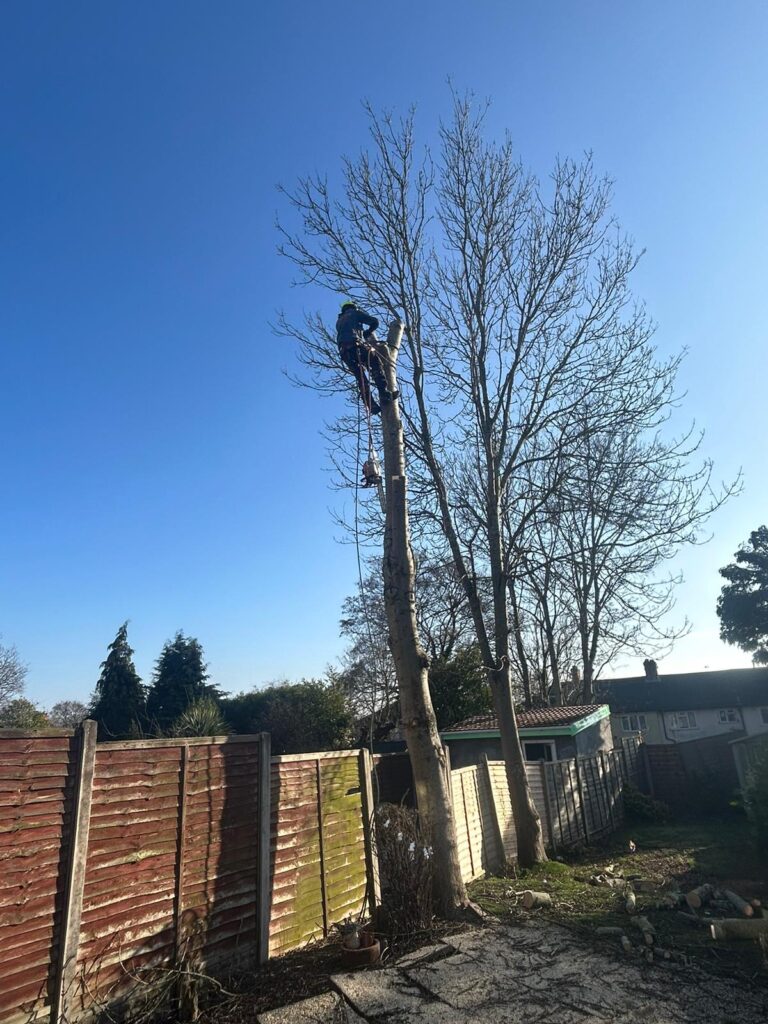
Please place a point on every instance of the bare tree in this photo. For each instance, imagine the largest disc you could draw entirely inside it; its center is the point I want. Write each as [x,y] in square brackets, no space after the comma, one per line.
[518,317]
[67,714]
[367,671]
[13,673]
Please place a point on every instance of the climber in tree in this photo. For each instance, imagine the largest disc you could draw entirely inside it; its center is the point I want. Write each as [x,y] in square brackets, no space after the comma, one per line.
[358,353]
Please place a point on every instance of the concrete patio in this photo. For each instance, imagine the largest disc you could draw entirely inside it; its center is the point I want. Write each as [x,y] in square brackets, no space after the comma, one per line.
[539,974]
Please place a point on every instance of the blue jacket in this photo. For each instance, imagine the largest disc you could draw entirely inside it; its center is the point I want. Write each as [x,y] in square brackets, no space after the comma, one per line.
[350,324]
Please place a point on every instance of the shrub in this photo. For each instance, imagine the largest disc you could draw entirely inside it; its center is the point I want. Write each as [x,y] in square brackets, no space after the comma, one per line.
[756,798]
[202,718]
[641,807]
[405,865]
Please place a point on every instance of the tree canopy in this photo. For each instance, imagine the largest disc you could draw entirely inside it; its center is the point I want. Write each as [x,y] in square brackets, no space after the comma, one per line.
[22,714]
[180,679]
[309,715]
[12,674]
[743,602]
[118,703]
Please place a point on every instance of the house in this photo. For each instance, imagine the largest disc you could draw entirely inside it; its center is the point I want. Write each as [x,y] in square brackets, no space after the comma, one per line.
[686,706]
[547,734]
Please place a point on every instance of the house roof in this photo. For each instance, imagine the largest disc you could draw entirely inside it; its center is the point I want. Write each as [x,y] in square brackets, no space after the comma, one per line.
[687,691]
[538,720]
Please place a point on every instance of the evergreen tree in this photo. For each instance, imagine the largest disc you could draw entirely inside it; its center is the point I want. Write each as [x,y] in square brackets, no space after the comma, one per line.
[181,679]
[743,602]
[119,701]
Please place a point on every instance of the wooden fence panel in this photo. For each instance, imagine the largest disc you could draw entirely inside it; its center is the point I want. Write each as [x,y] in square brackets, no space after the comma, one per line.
[36,819]
[296,914]
[218,856]
[319,871]
[576,800]
[128,918]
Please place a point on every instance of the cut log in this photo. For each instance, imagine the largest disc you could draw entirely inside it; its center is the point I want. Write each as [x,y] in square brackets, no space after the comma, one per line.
[739,928]
[744,908]
[696,898]
[626,944]
[644,925]
[533,899]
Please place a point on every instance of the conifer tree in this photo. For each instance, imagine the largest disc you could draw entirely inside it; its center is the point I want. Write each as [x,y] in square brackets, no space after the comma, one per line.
[118,704]
[181,678]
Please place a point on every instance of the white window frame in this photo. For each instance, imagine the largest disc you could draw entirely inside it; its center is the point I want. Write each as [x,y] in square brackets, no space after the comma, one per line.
[640,724]
[683,720]
[540,743]
[728,716]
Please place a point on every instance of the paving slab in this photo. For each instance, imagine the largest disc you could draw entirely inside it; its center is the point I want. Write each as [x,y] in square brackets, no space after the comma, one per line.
[325,1009]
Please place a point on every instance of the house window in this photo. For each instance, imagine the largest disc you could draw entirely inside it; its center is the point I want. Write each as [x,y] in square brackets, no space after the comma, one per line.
[764,715]
[539,751]
[683,720]
[633,723]
[727,716]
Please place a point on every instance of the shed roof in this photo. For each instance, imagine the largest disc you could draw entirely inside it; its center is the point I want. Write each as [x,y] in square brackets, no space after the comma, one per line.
[687,691]
[552,720]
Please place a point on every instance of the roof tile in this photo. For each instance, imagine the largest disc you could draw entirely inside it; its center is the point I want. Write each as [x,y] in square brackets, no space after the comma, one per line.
[536,718]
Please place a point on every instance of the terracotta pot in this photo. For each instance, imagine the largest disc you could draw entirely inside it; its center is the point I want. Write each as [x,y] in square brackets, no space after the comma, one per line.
[369,952]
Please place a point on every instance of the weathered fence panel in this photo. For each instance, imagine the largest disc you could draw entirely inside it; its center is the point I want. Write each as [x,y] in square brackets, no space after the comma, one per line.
[320,850]
[577,800]
[120,862]
[36,821]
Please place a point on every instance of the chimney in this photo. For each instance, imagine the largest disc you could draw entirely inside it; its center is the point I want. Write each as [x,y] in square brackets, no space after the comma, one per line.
[651,669]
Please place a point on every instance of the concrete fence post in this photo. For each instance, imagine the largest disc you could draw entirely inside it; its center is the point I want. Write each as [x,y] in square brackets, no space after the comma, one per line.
[66,968]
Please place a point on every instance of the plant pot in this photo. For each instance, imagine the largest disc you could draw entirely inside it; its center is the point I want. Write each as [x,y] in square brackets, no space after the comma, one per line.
[368,953]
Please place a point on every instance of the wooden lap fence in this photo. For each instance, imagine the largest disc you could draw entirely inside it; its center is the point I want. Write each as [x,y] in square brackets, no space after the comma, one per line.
[578,800]
[122,862]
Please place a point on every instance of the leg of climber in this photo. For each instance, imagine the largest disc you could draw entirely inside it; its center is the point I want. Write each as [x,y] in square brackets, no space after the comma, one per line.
[373,362]
[350,355]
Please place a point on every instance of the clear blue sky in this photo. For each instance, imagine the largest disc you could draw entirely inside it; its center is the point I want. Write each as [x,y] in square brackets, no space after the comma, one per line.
[156,464]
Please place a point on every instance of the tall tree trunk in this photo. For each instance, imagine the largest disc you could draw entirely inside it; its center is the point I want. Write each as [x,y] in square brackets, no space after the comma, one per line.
[522,657]
[411,662]
[530,841]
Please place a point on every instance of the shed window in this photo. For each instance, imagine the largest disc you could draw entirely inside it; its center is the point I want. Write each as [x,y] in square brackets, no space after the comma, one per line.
[633,723]
[683,720]
[539,751]
[727,715]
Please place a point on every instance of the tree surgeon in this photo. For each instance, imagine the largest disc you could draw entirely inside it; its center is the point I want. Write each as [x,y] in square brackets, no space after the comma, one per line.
[355,336]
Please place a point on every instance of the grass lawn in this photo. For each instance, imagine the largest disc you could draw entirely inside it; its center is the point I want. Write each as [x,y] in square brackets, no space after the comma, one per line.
[674,857]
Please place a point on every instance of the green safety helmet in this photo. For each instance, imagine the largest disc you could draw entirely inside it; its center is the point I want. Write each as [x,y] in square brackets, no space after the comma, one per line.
[347,305]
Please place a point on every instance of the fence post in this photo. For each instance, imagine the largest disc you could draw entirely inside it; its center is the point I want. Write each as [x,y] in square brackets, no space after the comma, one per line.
[75,879]
[582,805]
[185,993]
[264,814]
[499,832]
[373,885]
[608,789]
[323,890]
[547,807]
[447,753]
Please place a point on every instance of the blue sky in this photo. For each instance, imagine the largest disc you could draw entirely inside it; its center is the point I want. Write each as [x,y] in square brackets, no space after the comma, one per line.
[157,464]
